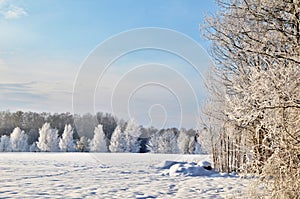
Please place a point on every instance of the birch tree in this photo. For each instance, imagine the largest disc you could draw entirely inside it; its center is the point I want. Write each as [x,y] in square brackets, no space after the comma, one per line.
[256,48]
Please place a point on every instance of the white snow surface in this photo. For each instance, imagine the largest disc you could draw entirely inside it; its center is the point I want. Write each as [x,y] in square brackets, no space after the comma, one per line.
[112,175]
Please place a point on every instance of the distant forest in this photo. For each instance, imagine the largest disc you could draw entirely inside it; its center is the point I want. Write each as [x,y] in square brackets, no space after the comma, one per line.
[84,126]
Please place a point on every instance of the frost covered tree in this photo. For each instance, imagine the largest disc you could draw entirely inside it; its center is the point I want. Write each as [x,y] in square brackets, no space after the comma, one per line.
[5,145]
[66,142]
[204,141]
[98,143]
[153,143]
[168,142]
[132,134]
[164,141]
[210,128]
[48,139]
[256,47]
[83,144]
[117,141]
[183,141]
[18,140]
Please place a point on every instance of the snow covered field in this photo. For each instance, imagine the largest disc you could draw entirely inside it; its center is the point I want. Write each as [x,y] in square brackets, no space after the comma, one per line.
[107,175]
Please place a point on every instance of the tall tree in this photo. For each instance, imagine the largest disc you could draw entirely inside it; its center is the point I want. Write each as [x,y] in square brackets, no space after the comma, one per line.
[183,141]
[18,140]
[66,142]
[98,143]
[117,142]
[48,140]
[132,134]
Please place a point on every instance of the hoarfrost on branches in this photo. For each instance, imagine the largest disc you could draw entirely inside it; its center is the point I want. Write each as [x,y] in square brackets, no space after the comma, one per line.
[48,139]
[18,140]
[117,142]
[66,143]
[98,143]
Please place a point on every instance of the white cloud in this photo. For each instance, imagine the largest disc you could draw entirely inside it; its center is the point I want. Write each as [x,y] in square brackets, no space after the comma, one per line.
[14,12]
[10,11]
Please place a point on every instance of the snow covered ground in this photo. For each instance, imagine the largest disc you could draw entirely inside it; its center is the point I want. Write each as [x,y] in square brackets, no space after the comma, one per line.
[109,175]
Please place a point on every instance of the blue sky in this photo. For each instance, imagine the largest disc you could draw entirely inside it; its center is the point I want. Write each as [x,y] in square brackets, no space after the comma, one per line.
[43,44]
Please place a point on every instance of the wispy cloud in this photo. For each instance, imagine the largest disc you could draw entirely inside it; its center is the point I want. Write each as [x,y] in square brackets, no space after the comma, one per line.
[35,95]
[11,11]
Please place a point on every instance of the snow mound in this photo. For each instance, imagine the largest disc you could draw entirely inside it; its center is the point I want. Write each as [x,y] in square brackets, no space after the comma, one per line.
[189,169]
[204,164]
[167,164]
[204,168]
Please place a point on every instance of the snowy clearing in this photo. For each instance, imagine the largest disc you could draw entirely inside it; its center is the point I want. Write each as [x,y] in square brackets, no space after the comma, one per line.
[110,175]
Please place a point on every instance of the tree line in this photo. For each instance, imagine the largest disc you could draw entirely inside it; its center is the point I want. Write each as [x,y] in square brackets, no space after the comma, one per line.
[45,132]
